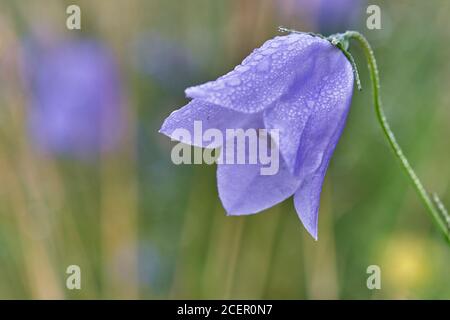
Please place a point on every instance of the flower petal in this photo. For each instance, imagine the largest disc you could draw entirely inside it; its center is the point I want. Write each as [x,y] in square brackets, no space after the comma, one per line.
[319,139]
[326,83]
[263,76]
[243,190]
[211,117]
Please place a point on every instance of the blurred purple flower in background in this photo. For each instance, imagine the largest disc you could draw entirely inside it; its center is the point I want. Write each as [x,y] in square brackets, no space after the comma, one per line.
[164,60]
[325,16]
[302,86]
[76,103]
[339,15]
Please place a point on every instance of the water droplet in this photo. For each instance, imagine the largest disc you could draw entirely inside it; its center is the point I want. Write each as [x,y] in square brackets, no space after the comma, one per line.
[264,65]
[277,55]
[242,68]
[233,81]
[268,51]
[292,46]
[292,38]
[257,57]
[275,44]
[218,85]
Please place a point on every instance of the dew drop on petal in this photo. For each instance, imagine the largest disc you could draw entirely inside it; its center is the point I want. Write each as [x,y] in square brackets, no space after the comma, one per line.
[233,81]
[275,44]
[277,55]
[268,51]
[264,66]
[258,57]
[291,38]
[219,85]
[242,68]
[292,47]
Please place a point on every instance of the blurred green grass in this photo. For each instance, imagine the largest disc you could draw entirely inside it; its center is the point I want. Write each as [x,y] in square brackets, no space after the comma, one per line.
[141,227]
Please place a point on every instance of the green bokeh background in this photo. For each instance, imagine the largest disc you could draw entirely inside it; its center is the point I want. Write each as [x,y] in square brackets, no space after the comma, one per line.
[142,227]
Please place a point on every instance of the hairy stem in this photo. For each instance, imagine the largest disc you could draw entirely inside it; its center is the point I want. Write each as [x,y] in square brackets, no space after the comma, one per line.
[438,213]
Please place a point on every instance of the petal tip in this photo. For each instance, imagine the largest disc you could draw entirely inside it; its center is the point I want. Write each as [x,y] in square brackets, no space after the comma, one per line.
[229,214]
[232,213]
[312,229]
[163,130]
[230,210]
[309,219]
[313,233]
[234,209]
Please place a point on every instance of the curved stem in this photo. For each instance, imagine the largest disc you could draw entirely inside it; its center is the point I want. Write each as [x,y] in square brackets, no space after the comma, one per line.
[435,211]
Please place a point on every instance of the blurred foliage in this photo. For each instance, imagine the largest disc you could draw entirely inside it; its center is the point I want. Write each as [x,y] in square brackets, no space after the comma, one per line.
[141,227]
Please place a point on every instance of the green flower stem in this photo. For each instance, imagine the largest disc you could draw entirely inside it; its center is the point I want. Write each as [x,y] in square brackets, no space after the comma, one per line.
[435,208]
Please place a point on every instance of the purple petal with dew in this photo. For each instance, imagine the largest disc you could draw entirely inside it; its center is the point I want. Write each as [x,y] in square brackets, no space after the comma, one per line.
[244,190]
[263,76]
[321,81]
[300,85]
[319,139]
[210,116]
